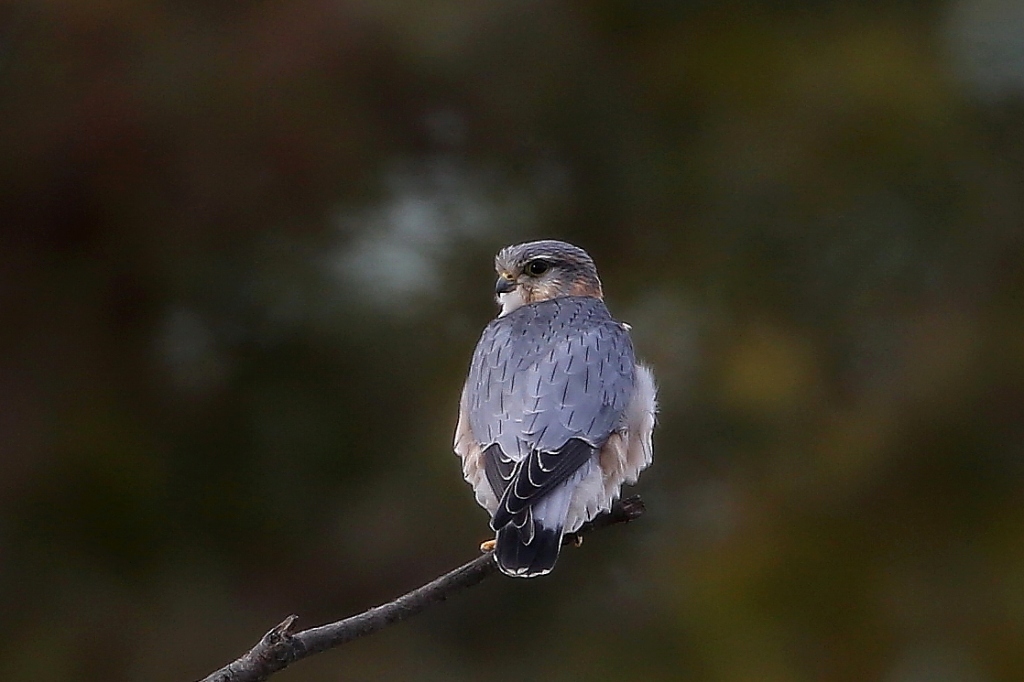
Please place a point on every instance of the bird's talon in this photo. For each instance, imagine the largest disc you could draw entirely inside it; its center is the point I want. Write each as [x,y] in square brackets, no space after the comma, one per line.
[487,545]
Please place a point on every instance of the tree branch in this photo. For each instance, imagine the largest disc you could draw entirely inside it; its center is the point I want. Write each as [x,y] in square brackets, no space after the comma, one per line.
[281,647]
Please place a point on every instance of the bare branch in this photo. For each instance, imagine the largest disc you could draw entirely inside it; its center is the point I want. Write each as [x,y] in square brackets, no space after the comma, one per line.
[281,647]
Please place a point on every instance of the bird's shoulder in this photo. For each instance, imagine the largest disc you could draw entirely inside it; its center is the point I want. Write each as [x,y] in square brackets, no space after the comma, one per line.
[555,318]
[559,338]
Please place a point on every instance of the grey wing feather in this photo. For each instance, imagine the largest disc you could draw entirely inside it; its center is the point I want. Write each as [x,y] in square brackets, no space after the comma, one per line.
[541,376]
[535,476]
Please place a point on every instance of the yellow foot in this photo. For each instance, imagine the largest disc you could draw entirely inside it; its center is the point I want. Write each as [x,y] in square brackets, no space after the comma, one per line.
[487,546]
[576,541]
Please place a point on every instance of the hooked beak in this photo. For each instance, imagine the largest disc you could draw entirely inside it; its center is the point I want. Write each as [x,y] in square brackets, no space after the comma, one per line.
[504,285]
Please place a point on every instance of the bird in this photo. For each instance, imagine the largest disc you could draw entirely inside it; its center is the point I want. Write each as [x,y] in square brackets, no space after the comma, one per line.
[556,414]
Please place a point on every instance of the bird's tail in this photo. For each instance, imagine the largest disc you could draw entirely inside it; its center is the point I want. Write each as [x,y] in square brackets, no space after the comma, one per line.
[527,553]
[528,545]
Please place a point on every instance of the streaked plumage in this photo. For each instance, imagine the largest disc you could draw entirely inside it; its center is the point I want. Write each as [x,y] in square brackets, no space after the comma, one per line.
[555,414]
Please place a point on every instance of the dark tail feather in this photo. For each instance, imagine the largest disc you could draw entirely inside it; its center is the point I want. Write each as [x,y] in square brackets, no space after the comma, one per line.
[521,556]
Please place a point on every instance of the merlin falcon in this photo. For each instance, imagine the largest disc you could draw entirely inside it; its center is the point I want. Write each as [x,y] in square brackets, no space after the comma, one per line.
[556,413]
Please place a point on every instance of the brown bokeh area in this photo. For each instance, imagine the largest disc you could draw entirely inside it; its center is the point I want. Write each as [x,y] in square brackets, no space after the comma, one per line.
[245,253]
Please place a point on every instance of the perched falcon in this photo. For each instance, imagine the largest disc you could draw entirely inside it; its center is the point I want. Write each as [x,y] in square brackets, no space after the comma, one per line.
[556,414]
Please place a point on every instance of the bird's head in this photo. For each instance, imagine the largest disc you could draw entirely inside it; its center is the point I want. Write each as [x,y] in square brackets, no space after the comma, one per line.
[539,271]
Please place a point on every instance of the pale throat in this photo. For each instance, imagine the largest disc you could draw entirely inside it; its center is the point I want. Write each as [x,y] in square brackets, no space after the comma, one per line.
[511,301]
[522,295]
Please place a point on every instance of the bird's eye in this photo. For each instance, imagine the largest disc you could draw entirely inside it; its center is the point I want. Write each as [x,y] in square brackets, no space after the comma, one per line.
[537,267]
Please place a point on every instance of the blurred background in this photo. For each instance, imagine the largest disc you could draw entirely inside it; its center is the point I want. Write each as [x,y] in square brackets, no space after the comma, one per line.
[245,254]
